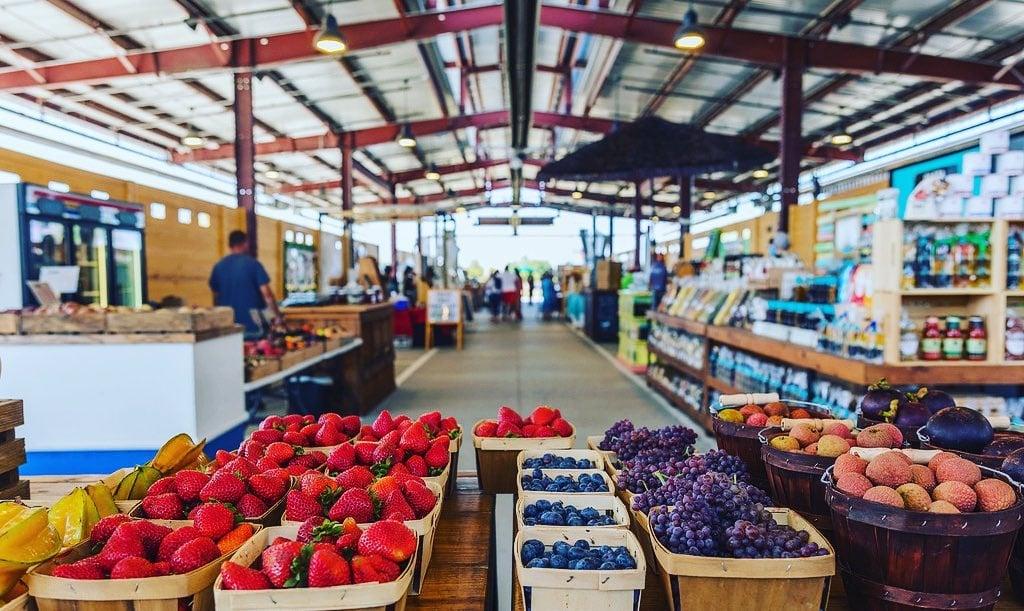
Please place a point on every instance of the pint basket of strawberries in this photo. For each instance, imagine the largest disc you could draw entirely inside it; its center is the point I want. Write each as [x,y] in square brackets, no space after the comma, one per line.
[338,567]
[127,560]
[324,433]
[498,442]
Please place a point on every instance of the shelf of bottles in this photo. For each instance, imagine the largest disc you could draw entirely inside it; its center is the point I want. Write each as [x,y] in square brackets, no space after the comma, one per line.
[677,344]
[682,387]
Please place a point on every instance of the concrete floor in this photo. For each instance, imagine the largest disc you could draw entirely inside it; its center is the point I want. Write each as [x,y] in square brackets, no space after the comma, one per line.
[523,365]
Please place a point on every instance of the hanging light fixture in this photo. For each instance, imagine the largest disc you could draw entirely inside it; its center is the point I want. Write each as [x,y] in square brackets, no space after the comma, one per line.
[760,173]
[709,194]
[328,40]
[689,36]
[272,174]
[405,137]
[577,194]
[841,139]
[193,139]
[677,209]
[432,173]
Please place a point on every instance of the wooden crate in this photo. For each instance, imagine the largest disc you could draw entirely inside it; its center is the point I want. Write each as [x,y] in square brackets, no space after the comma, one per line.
[83,322]
[292,358]
[156,321]
[603,503]
[375,596]
[581,497]
[269,366]
[10,323]
[212,318]
[735,584]
[496,457]
[595,457]
[12,450]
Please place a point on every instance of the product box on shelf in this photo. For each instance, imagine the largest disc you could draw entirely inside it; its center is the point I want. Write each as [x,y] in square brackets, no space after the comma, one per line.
[609,505]
[1010,163]
[1011,206]
[977,164]
[608,275]
[995,142]
[496,458]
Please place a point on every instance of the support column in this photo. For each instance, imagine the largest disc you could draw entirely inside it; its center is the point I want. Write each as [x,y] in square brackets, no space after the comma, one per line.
[637,231]
[419,245]
[348,254]
[245,155]
[685,210]
[611,233]
[791,143]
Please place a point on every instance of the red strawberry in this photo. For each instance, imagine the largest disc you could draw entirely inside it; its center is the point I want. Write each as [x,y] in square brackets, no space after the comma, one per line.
[238,577]
[354,477]
[265,464]
[189,483]
[415,439]
[561,427]
[272,422]
[313,460]
[281,474]
[388,570]
[83,569]
[214,520]
[342,457]
[542,414]
[299,507]
[507,414]
[391,539]
[133,567]
[383,454]
[397,508]
[319,529]
[449,425]
[294,438]
[331,418]
[398,468]
[432,421]
[366,433]
[363,571]
[106,527]
[224,487]
[437,456]
[349,425]
[280,452]
[266,436]
[252,449]
[354,503]
[151,534]
[530,430]
[162,486]
[193,555]
[162,568]
[314,483]
[293,420]
[487,428]
[267,487]
[174,540]
[545,431]
[277,562]
[384,486]
[309,432]
[251,506]
[383,425]
[328,435]
[420,497]
[327,568]
[417,466]
[297,469]
[123,543]
[508,429]
[242,467]
[223,457]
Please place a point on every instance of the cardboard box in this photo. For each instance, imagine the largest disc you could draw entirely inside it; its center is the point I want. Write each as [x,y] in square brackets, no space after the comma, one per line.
[609,275]
[1011,206]
[995,142]
[995,185]
[978,207]
[1010,163]
[977,164]
[960,184]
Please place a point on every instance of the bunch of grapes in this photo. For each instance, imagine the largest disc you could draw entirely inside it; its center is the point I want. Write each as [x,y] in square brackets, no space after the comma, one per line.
[619,430]
[688,527]
[744,539]
[659,444]
[645,473]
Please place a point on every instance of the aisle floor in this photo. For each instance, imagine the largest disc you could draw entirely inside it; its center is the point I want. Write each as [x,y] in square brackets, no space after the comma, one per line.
[523,365]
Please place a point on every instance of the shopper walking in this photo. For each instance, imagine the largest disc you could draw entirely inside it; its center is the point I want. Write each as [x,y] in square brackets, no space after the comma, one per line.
[658,279]
[409,285]
[529,287]
[492,293]
[241,282]
[518,295]
[548,297]
[508,293]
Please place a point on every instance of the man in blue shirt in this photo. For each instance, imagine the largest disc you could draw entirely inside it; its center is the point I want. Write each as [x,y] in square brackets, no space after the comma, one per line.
[241,283]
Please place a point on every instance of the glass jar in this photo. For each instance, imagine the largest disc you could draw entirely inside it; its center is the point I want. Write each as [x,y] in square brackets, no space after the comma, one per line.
[931,340]
[977,339]
[1014,336]
[953,342]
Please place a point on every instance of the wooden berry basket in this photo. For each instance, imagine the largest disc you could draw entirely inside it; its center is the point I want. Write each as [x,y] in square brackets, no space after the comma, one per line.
[496,470]
[611,460]
[544,589]
[982,460]
[425,528]
[454,448]
[739,584]
[152,593]
[794,481]
[964,556]
[17,599]
[441,480]
[552,473]
[10,324]
[594,457]
[390,596]
[601,503]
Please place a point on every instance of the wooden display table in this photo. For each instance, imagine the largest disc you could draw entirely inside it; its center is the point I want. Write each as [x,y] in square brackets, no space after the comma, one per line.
[373,376]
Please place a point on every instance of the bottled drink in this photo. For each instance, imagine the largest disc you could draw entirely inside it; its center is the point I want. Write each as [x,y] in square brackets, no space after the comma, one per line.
[1013,255]
[1014,336]
[953,342]
[923,257]
[909,277]
[931,340]
[942,260]
[910,341]
[977,339]
[964,260]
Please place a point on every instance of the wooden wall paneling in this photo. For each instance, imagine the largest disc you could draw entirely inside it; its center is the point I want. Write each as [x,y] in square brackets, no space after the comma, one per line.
[803,231]
[41,171]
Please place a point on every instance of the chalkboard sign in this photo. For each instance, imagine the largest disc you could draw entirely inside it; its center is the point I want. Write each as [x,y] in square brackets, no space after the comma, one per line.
[444,307]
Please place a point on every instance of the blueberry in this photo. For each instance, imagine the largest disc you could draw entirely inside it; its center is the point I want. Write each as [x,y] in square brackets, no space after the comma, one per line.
[532,548]
[557,505]
[530,511]
[538,473]
[588,513]
[625,561]
[581,544]
[538,563]
[607,566]
[575,521]
[558,561]
[543,505]
[587,564]
[576,553]
[585,463]
[560,547]
[551,518]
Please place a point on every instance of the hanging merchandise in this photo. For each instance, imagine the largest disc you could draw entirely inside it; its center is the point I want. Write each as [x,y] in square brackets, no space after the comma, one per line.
[1013,257]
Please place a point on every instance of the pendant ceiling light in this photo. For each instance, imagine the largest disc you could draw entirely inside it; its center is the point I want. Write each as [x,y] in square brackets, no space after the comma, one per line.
[405,137]
[193,139]
[841,139]
[689,36]
[432,173]
[760,173]
[329,40]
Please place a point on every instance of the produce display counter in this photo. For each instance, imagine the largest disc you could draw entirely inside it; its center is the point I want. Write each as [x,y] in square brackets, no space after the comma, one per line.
[347,346]
[372,378]
[102,401]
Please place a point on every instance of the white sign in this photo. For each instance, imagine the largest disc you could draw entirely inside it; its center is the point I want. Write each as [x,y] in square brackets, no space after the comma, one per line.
[61,278]
[444,306]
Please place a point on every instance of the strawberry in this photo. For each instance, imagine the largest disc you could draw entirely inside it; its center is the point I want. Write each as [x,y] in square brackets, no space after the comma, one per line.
[561,427]
[398,469]
[213,520]
[242,467]
[252,449]
[277,562]
[223,457]
[384,486]
[167,506]
[299,507]
[294,438]
[363,571]
[267,487]
[450,426]
[331,418]
[354,503]
[327,568]
[314,484]
[162,568]
[417,466]
[174,540]
[266,436]
[265,464]
[238,577]
[542,415]
[432,421]
[544,431]
[296,469]
[189,483]
[383,425]
[327,435]
[272,422]
[162,486]
[354,477]
[391,539]
[106,527]
[312,460]
[318,529]
[350,533]
[309,432]
[364,452]
[123,543]
[342,457]
[508,429]
[437,456]
[281,474]
[291,420]
[349,425]
[530,430]
[83,569]
[383,454]
[133,567]
[279,452]
[224,487]
[397,508]
[388,570]
[509,415]
[366,433]
[420,498]
[235,538]
[151,534]
[251,506]
[193,555]
[487,428]
[415,439]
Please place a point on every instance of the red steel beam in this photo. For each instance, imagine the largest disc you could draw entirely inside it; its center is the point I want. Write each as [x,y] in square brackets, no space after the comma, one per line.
[245,155]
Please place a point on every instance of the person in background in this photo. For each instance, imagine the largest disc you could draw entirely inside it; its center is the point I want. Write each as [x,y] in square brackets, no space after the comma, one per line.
[241,282]
[492,293]
[390,282]
[518,303]
[409,285]
[548,297]
[658,279]
[508,292]
[424,285]
[529,286]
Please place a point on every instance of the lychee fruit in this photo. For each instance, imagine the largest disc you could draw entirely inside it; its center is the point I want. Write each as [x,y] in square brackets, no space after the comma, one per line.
[903,455]
[915,498]
[849,463]
[853,484]
[836,428]
[799,414]
[888,469]
[804,434]
[784,443]
[749,409]
[873,437]
[894,432]
[730,415]
[757,420]
[923,477]
[938,459]
[958,470]
[959,494]
[774,420]
[943,507]
[994,495]
[776,408]
[884,495]
[812,449]
[832,446]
